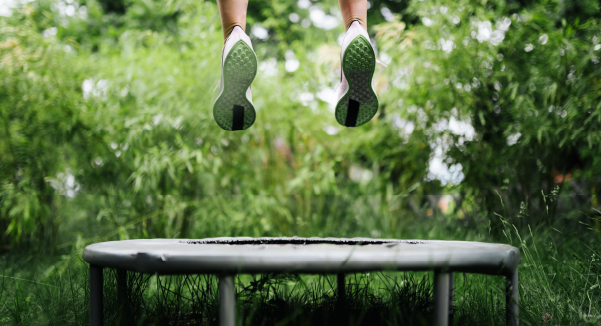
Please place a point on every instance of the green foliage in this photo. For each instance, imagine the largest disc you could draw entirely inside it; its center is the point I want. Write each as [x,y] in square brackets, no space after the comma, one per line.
[527,80]
[107,124]
[137,147]
[40,129]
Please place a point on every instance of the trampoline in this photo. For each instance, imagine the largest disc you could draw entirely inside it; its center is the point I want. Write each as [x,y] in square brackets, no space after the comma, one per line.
[226,257]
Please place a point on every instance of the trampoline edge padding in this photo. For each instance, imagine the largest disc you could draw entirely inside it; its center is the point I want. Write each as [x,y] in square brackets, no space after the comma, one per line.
[318,255]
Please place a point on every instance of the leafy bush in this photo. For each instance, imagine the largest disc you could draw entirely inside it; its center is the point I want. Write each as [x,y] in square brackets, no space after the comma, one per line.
[526,79]
[107,125]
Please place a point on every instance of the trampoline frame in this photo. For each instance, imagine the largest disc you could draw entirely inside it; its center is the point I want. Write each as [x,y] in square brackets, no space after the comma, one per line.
[443,273]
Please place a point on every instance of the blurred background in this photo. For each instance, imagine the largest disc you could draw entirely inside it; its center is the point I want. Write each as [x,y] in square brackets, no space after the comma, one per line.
[489,125]
[489,111]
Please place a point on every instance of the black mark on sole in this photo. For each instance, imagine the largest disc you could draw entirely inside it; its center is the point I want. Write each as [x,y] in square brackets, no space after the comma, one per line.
[352,113]
[238,121]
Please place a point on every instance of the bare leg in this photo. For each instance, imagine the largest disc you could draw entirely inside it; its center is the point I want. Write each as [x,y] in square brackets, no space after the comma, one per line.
[353,10]
[232,12]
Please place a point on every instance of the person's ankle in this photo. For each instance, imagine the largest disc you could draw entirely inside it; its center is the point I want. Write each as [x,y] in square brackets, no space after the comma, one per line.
[229,32]
[360,23]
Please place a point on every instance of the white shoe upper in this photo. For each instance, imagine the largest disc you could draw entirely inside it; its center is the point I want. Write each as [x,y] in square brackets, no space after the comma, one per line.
[356,29]
[236,35]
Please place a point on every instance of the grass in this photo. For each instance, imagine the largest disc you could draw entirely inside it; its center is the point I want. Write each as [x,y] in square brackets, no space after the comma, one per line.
[559,276]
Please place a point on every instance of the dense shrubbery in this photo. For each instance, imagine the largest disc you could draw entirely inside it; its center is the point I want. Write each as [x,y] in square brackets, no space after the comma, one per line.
[106,116]
[525,78]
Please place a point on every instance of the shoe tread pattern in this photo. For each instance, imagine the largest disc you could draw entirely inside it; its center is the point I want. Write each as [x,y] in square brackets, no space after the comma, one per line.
[358,64]
[239,70]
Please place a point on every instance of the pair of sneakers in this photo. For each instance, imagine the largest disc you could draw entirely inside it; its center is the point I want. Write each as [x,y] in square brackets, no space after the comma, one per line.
[357,100]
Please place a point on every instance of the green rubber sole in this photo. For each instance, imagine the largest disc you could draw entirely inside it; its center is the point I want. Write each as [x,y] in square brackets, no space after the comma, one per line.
[360,103]
[232,110]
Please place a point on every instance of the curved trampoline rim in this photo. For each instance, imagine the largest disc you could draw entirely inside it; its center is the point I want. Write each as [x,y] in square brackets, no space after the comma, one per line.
[153,262]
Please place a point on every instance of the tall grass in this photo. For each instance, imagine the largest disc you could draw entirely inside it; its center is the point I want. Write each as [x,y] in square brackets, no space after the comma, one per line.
[559,276]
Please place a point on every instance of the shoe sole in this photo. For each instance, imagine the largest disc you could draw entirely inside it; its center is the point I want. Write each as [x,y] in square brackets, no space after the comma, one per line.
[360,103]
[232,110]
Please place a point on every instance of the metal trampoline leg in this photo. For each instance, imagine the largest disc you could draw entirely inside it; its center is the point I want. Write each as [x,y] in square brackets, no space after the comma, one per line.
[122,295]
[441,298]
[96,306]
[511,300]
[451,289]
[227,300]
[340,290]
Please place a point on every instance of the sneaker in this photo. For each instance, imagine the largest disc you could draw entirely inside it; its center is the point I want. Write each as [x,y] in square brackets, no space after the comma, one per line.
[233,108]
[357,100]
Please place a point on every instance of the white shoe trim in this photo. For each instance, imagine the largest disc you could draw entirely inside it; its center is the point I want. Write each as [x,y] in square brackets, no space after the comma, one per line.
[236,35]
